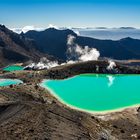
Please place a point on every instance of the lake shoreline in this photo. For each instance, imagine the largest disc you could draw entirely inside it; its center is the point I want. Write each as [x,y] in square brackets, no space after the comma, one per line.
[84,110]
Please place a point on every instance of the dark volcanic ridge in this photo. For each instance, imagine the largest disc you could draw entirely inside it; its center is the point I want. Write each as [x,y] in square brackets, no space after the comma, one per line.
[15,48]
[52,44]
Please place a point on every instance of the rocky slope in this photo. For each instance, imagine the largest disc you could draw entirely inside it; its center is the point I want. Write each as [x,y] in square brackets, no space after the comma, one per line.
[15,48]
[27,112]
[30,112]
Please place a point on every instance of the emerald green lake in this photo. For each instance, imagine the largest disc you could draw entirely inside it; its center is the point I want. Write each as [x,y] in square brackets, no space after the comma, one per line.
[97,93]
[13,68]
[8,82]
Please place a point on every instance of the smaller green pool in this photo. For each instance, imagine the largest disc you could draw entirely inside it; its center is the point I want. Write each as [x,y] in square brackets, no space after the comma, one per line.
[8,82]
[13,68]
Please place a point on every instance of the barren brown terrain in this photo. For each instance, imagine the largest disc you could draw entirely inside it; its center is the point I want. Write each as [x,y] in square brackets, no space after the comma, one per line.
[29,112]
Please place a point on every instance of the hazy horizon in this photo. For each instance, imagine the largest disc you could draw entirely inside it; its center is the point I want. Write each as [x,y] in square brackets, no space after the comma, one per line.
[69,27]
[98,32]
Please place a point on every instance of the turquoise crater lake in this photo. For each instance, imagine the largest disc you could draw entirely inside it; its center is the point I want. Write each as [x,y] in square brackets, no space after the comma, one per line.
[13,68]
[97,93]
[8,82]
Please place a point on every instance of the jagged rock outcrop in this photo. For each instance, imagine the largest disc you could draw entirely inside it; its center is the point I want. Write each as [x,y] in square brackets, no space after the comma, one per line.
[16,48]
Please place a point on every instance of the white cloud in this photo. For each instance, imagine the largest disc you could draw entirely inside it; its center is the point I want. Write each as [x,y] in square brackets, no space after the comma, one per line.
[77,32]
[16,30]
[53,26]
[26,29]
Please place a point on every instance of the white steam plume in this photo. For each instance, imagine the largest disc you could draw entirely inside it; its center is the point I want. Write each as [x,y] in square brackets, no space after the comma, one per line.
[87,53]
[79,53]
[43,64]
[75,53]
[70,40]
[111,65]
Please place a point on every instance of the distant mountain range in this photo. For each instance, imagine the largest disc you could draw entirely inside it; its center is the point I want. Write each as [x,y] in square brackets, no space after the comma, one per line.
[29,28]
[33,45]
[54,42]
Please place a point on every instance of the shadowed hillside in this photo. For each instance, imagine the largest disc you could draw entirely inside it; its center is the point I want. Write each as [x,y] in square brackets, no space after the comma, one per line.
[16,48]
[54,42]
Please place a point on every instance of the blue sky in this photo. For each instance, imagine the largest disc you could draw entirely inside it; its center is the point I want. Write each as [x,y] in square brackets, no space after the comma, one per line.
[70,13]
